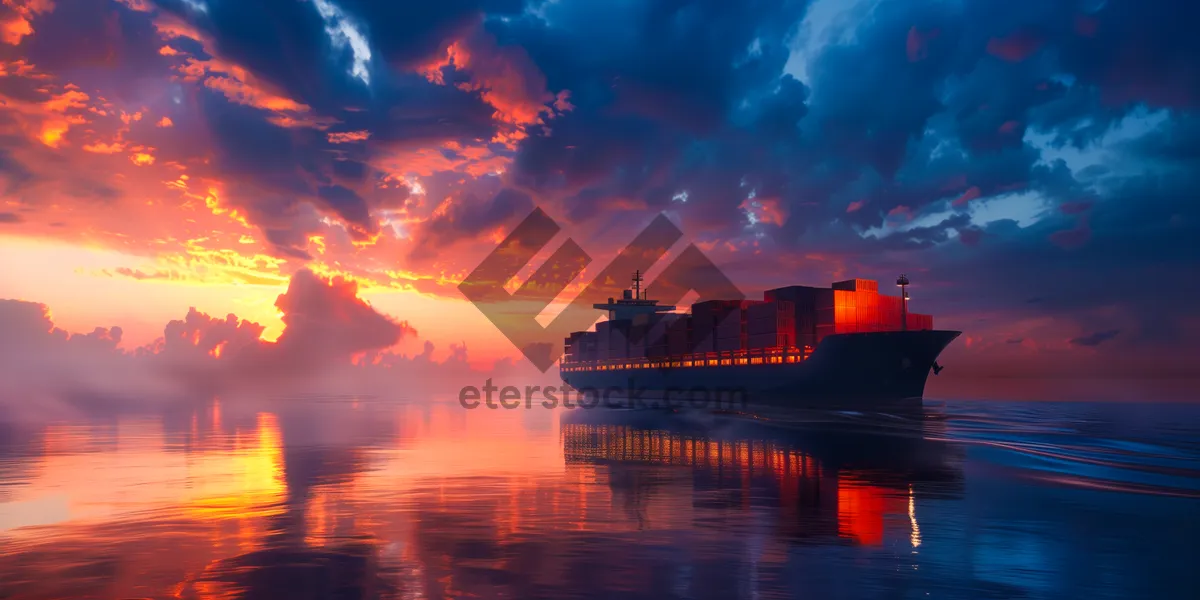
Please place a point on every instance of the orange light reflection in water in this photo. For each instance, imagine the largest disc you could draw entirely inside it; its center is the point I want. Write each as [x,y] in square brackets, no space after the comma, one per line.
[169,507]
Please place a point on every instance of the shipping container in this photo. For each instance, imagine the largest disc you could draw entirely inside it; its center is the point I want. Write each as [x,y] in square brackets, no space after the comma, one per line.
[618,346]
[890,311]
[660,327]
[768,326]
[713,309]
[576,345]
[825,330]
[918,322]
[806,339]
[708,344]
[856,285]
[618,340]
[588,347]
[826,316]
[637,349]
[733,324]
[779,340]
[679,337]
[866,310]
[800,294]
[769,309]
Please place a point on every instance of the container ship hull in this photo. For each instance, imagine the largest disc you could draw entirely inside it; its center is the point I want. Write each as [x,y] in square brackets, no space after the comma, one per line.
[850,371]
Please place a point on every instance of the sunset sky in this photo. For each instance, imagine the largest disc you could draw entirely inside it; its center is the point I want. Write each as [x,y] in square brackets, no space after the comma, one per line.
[1031,165]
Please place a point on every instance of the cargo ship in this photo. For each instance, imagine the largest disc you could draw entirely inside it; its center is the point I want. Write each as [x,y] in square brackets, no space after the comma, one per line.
[843,347]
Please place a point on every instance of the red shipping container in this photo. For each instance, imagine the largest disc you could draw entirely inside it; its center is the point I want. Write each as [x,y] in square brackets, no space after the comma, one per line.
[856,285]
[919,322]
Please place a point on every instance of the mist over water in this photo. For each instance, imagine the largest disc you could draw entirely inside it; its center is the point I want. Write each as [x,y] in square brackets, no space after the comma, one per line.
[372,497]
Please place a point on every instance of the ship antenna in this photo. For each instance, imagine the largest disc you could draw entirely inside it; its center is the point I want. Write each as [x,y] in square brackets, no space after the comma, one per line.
[637,284]
[902,282]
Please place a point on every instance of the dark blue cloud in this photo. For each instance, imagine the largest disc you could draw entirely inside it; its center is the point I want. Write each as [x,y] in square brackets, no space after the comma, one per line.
[919,108]
[468,216]
[348,205]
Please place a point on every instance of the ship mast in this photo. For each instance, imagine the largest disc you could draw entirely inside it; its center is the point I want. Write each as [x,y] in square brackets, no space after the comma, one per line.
[637,285]
[902,282]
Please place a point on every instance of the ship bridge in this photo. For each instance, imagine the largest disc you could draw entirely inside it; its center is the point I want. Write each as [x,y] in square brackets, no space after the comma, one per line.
[633,303]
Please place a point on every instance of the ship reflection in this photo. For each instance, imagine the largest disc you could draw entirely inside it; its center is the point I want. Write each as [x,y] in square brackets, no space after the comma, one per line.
[825,481]
[324,500]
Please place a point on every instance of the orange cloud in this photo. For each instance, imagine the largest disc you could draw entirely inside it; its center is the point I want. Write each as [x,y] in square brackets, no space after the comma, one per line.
[71,98]
[142,159]
[474,160]
[766,210]
[17,25]
[19,68]
[53,131]
[237,90]
[102,148]
[345,137]
[505,78]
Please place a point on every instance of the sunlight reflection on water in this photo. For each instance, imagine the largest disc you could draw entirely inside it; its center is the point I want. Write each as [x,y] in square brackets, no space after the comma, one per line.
[362,497]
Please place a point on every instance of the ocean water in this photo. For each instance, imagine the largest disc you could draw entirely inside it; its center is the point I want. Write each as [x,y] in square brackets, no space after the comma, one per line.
[332,497]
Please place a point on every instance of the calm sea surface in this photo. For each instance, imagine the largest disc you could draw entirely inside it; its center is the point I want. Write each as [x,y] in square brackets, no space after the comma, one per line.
[365,498]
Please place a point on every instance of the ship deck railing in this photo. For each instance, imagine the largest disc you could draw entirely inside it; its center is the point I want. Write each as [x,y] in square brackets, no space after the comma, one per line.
[728,358]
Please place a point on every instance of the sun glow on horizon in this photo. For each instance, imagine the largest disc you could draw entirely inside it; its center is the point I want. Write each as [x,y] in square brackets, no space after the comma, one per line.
[130,292]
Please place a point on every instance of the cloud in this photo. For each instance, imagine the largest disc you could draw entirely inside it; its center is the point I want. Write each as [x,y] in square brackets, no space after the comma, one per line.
[331,338]
[328,316]
[1096,338]
[465,217]
[1006,149]
[326,326]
